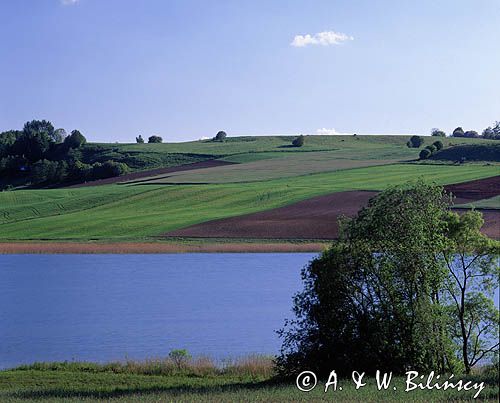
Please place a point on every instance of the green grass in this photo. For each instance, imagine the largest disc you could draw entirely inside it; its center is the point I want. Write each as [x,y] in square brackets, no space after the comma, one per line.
[288,165]
[491,203]
[138,212]
[76,385]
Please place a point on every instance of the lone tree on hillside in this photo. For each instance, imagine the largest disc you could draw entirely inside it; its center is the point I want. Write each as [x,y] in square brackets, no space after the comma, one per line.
[438,133]
[458,132]
[220,136]
[139,139]
[415,141]
[298,142]
[155,139]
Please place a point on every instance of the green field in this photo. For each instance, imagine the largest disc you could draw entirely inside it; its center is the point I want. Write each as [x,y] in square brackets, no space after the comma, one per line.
[491,203]
[243,149]
[138,212]
[76,383]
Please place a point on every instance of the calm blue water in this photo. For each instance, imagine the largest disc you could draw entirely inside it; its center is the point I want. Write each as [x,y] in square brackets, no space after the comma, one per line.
[108,307]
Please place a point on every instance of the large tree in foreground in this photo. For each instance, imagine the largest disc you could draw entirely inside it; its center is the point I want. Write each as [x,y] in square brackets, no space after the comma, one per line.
[379,298]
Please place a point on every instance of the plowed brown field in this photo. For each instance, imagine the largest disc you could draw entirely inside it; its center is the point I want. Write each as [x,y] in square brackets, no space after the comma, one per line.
[317,218]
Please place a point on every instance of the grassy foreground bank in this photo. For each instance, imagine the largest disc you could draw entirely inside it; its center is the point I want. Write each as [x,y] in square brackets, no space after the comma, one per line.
[250,379]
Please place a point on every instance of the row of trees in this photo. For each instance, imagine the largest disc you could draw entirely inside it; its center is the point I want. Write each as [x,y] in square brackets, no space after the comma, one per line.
[151,139]
[409,285]
[40,154]
[492,133]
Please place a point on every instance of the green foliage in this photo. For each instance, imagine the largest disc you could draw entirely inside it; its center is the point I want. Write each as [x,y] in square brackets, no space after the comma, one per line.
[415,142]
[299,141]
[179,357]
[59,135]
[389,294]
[367,302]
[438,133]
[139,140]
[472,262]
[75,139]
[438,144]
[35,140]
[155,139]
[471,134]
[458,132]
[220,136]
[431,148]
[492,133]
[424,154]
[7,140]
[470,152]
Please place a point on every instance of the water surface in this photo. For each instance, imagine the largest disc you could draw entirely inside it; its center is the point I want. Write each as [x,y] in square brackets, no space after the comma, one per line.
[108,307]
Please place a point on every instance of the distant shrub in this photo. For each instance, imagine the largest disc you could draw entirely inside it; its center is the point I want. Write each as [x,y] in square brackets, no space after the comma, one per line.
[438,133]
[431,148]
[471,134]
[108,169]
[299,141]
[424,154]
[155,139]
[220,136]
[438,144]
[458,132]
[139,139]
[415,141]
[179,357]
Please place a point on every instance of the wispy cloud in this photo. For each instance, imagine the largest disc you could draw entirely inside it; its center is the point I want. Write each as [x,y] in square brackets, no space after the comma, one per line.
[69,2]
[325,38]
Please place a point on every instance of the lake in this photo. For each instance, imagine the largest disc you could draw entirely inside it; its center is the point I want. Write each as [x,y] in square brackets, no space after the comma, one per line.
[110,307]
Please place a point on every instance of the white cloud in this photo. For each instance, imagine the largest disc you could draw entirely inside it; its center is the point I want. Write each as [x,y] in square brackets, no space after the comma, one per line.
[69,2]
[325,38]
[330,132]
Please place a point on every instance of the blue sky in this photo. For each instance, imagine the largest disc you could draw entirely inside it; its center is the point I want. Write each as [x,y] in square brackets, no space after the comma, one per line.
[186,69]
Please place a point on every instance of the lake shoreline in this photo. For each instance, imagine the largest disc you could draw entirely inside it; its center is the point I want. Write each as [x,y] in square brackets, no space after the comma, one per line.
[158,247]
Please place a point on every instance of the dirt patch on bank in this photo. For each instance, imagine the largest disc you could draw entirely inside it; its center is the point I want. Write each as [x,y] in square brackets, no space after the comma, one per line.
[317,218]
[155,247]
[153,172]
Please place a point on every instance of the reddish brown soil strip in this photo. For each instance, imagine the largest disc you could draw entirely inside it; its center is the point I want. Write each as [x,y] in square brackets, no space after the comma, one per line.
[314,218]
[317,218]
[143,247]
[153,172]
[475,190]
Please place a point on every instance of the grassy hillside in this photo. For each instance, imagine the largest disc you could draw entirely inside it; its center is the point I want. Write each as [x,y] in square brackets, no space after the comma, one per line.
[245,149]
[133,212]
